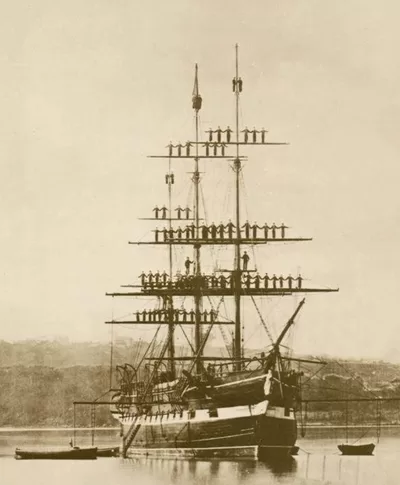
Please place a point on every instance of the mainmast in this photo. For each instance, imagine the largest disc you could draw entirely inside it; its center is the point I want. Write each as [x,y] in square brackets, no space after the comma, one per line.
[239,282]
[196,103]
[168,301]
[237,274]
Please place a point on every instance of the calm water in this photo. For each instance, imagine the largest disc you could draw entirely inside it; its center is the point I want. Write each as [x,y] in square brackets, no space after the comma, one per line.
[318,462]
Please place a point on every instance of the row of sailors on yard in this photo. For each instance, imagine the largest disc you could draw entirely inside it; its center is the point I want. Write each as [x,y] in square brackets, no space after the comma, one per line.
[218,232]
[174,315]
[217,140]
[180,150]
[213,148]
[161,212]
[160,280]
[218,134]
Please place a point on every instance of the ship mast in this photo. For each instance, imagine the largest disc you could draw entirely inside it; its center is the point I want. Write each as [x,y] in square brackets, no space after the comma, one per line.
[198,286]
[237,274]
[168,301]
[196,103]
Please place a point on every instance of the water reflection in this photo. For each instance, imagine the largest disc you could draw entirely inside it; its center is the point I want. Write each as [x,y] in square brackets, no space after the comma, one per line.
[318,462]
[282,467]
[177,472]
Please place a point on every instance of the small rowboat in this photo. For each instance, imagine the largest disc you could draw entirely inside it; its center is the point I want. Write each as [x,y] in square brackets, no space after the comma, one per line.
[69,454]
[359,450]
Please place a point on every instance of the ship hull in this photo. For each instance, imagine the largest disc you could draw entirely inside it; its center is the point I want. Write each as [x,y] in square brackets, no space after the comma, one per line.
[248,432]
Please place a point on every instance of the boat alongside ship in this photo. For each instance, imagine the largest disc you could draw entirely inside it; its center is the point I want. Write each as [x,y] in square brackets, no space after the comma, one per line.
[60,454]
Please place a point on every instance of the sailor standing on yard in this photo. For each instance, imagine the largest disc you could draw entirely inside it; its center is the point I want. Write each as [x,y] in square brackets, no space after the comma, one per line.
[228,132]
[179,211]
[187,265]
[246,259]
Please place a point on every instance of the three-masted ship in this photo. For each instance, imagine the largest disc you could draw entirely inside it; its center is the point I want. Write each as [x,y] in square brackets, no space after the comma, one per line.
[199,405]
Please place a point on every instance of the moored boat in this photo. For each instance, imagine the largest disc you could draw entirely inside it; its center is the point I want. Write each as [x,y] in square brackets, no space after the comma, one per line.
[68,454]
[357,450]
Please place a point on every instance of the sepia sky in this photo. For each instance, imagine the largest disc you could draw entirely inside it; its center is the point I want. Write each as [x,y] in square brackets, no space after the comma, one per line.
[89,89]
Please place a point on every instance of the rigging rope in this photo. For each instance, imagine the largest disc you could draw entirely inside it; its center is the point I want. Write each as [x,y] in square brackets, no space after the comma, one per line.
[220,326]
[150,344]
[112,342]
[356,379]
[262,320]
[247,214]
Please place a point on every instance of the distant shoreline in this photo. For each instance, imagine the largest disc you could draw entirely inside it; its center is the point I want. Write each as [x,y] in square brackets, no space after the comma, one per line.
[113,428]
[24,429]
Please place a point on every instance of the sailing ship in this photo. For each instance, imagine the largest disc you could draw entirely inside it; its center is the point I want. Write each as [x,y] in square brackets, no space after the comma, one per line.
[198,405]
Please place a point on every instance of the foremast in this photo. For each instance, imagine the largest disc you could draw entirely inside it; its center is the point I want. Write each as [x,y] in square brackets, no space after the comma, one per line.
[196,104]
[168,301]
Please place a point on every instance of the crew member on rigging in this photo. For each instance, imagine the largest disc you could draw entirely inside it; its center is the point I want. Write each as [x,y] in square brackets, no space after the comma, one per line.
[187,265]
[179,211]
[221,230]
[188,145]
[263,132]
[230,226]
[228,132]
[254,228]
[247,227]
[142,277]
[156,210]
[219,133]
[170,147]
[213,231]
[246,259]
[246,132]
[255,135]
[163,211]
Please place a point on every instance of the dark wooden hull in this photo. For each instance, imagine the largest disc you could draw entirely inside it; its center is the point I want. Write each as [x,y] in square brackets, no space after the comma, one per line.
[357,450]
[70,454]
[252,436]
[108,452]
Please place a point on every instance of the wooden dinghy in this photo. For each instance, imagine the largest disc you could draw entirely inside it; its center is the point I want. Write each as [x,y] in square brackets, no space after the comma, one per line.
[355,450]
[69,454]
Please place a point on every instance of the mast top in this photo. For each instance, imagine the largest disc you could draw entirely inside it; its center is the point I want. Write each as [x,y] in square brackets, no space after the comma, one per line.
[196,98]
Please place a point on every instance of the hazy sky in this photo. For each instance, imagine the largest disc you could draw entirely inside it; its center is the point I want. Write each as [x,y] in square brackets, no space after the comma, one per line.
[89,89]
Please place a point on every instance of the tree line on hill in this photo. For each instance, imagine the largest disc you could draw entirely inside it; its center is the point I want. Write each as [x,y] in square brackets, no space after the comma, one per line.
[40,380]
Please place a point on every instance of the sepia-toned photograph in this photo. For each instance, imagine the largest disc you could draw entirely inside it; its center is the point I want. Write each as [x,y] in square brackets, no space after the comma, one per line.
[200,242]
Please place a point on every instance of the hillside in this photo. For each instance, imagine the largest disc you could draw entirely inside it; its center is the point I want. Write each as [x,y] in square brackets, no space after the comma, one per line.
[40,380]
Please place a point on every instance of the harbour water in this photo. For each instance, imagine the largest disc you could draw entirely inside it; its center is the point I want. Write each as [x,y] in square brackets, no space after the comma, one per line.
[318,462]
